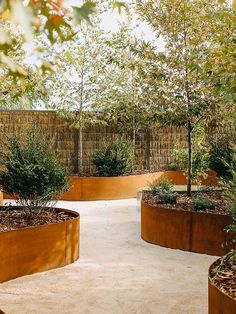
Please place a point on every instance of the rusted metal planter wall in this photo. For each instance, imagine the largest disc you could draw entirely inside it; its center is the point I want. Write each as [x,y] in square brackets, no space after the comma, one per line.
[219,302]
[35,249]
[190,231]
[1,198]
[111,188]
[108,188]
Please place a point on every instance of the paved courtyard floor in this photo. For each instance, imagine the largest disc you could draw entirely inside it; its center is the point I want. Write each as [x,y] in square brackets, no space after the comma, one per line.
[117,273]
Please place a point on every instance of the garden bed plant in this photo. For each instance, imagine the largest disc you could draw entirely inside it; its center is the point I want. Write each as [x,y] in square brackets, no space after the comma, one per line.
[40,236]
[32,175]
[205,199]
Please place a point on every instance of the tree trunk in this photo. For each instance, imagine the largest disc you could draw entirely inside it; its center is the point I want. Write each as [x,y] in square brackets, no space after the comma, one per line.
[147,150]
[190,165]
[81,170]
[76,145]
[134,143]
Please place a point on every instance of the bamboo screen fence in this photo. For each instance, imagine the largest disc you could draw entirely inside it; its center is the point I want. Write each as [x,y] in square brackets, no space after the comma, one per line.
[154,150]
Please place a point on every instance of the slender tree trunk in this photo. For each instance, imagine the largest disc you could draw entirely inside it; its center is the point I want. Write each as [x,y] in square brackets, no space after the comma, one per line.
[134,143]
[76,145]
[190,164]
[147,149]
[81,170]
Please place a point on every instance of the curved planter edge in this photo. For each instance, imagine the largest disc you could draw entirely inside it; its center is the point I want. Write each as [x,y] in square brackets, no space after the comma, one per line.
[185,230]
[112,188]
[35,249]
[1,198]
[218,301]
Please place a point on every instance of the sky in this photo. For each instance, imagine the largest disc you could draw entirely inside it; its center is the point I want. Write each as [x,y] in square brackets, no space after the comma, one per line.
[110,23]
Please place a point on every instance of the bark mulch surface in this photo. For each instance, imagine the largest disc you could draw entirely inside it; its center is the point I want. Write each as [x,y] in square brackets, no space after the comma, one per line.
[13,218]
[223,274]
[185,202]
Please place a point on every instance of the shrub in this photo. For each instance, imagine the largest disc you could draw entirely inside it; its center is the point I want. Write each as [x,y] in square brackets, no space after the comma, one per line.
[203,203]
[30,170]
[158,185]
[174,167]
[163,189]
[221,157]
[168,197]
[114,159]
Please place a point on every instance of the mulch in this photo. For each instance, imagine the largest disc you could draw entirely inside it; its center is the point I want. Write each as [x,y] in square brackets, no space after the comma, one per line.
[13,218]
[185,202]
[223,274]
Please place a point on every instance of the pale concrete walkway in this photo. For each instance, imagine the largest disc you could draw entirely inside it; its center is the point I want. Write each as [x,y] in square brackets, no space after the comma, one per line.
[118,273]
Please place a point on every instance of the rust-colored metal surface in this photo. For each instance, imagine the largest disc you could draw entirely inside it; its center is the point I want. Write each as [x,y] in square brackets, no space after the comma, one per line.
[165,227]
[178,229]
[219,302]
[35,249]
[1,198]
[209,233]
[112,188]
[109,188]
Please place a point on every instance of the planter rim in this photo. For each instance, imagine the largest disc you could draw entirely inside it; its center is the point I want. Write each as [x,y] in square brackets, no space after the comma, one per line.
[77,215]
[124,176]
[159,206]
[212,283]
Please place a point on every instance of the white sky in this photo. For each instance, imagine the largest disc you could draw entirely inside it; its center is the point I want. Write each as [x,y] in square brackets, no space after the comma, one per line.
[111,20]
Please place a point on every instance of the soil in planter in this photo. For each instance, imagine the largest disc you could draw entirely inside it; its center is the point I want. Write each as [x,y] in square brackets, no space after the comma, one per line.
[223,274]
[185,202]
[13,218]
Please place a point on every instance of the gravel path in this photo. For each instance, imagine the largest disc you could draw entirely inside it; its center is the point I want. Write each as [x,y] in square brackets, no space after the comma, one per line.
[117,273]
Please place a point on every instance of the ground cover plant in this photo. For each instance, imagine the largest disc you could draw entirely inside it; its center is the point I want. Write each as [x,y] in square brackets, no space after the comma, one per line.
[33,176]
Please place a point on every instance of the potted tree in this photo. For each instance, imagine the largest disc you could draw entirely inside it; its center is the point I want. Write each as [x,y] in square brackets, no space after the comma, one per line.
[34,236]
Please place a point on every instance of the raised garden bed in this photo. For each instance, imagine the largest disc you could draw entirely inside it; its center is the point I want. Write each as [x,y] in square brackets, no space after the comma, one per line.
[39,248]
[1,198]
[220,301]
[176,228]
[109,188]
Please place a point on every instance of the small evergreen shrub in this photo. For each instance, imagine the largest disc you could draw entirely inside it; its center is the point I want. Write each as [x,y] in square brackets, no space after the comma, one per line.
[168,197]
[221,157]
[174,167]
[114,159]
[163,189]
[159,185]
[30,169]
[203,203]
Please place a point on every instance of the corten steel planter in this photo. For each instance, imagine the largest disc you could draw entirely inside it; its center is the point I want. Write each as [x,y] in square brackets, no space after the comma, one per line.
[34,249]
[111,188]
[185,230]
[1,198]
[218,301]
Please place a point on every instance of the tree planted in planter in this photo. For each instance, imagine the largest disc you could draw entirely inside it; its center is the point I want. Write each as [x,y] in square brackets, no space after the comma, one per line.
[187,91]
[30,170]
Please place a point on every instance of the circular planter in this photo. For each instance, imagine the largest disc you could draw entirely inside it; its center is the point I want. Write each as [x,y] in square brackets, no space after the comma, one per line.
[185,230]
[34,249]
[218,301]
